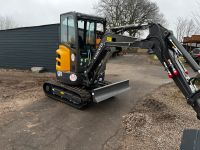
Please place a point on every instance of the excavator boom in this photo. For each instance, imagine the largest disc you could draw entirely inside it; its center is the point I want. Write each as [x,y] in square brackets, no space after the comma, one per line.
[168,50]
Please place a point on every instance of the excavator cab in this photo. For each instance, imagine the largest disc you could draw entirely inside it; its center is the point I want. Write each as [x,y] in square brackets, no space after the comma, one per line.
[80,35]
[81,62]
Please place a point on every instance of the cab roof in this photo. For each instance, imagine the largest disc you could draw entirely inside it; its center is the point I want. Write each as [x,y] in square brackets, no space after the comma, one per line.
[85,16]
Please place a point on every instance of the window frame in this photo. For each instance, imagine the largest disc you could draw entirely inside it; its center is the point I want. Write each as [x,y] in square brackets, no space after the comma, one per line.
[67,16]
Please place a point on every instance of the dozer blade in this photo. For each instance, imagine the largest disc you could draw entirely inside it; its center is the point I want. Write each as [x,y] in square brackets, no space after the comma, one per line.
[108,91]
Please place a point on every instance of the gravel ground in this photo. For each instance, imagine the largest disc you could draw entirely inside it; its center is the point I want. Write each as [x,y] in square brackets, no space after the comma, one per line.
[158,121]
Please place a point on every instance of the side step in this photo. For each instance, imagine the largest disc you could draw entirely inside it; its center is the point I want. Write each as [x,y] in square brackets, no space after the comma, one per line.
[108,91]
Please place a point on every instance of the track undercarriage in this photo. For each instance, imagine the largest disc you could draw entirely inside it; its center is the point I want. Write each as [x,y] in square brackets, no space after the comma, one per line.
[79,97]
[71,95]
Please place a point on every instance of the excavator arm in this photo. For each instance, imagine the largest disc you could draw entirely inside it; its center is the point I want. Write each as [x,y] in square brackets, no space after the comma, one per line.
[167,49]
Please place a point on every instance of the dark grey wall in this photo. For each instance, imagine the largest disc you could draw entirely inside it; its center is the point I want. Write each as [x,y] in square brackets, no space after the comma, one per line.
[23,48]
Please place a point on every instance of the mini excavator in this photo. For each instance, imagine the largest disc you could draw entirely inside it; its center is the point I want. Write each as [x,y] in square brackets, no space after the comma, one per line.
[86,46]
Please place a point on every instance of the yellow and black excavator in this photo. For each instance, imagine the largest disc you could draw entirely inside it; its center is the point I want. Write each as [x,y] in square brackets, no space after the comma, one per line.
[86,46]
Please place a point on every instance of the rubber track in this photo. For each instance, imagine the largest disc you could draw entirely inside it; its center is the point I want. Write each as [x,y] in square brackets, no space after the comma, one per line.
[76,91]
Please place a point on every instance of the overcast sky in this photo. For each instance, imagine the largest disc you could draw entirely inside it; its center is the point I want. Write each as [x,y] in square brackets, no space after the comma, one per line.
[39,12]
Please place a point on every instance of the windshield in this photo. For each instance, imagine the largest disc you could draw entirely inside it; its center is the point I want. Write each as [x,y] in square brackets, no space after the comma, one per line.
[67,30]
[90,36]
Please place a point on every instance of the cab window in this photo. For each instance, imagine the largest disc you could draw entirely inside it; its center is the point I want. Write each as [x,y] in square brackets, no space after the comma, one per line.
[67,30]
[81,25]
[90,35]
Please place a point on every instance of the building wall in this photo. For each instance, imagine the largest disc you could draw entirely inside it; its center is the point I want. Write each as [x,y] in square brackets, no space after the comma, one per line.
[23,48]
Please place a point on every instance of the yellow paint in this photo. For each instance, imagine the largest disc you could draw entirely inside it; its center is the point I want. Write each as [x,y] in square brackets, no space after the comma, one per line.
[98,41]
[64,59]
[109,39]
[62,93]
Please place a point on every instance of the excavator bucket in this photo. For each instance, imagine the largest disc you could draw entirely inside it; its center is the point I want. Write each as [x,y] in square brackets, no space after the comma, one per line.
[110,90]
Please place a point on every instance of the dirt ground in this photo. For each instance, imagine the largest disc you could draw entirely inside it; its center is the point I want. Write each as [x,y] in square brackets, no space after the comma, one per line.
[20,88]
[158,121]
[29,120]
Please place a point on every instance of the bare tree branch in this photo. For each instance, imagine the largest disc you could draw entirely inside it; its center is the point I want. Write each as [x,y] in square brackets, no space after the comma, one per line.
[123,12]
[186,28]
[7,23]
